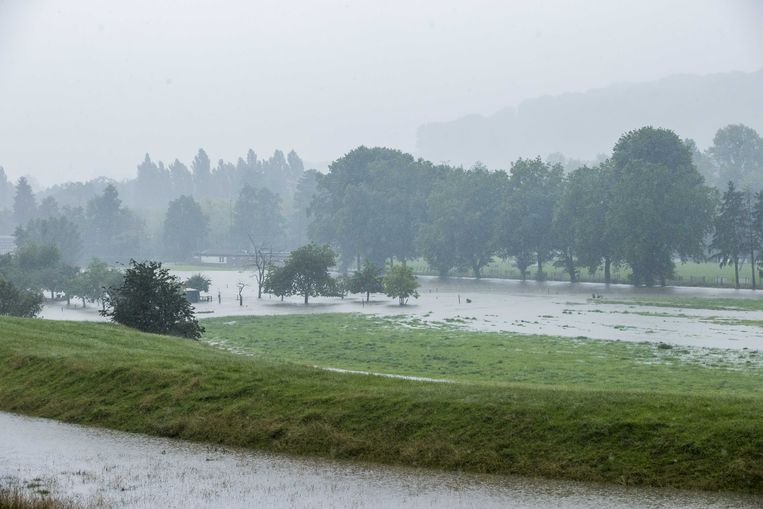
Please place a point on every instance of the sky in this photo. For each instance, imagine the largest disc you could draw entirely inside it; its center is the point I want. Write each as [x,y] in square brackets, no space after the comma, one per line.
[89,87]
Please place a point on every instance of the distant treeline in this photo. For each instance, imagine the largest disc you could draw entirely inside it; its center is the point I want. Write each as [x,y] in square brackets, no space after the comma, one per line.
[655,199]
[643,207]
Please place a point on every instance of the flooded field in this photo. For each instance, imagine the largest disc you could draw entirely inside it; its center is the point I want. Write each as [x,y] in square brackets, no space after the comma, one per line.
[111,469]
[553,308]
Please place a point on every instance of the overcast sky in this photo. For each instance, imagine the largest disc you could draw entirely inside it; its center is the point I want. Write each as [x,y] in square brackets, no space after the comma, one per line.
[87,87]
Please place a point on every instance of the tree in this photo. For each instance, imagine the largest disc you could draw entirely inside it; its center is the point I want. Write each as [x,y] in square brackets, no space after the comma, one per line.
[185,228]
[48,208]
[371,203]
[58,231]
[150,299]
[6,191]
[202,174]
[305,272]
[368,280]
[198,282]
[24,204]
[730,236]
[112,230]
[15,302]
[737,151]
[263,262]
[400,284]
[534,189]
[304,194]
[580,221]
[257,215]
[462,220]
[663,209]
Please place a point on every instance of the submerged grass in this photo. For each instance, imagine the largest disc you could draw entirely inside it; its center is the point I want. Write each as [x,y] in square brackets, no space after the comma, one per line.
[716,303]
[105,375]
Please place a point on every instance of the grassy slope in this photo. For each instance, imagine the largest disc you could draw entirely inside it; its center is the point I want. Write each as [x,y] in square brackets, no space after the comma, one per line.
[110,376]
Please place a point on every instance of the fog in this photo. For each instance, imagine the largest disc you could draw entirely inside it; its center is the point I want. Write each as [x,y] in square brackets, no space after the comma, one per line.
[89,87]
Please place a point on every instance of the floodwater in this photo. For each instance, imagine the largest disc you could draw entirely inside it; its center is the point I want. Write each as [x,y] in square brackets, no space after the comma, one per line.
[104,468]
[553,308]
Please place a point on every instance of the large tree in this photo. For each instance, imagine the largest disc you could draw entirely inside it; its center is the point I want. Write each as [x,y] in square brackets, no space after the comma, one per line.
[185,228]
[580,221]
[662,207]
[731,230]
[462,219]
[112,232]
[737,151]
[305,272]
[150,299]
[527,231]
[371,204]
[59,231]
[24,203]
[257,217]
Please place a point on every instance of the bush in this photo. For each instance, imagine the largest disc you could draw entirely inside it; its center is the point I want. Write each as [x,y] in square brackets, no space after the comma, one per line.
[152,300]
[15,302]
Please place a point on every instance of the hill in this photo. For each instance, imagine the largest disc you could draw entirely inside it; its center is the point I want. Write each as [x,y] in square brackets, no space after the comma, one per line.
[584,125]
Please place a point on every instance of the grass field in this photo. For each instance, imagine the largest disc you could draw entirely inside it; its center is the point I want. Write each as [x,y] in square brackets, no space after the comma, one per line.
[406,346]
[545,424]
[686,274]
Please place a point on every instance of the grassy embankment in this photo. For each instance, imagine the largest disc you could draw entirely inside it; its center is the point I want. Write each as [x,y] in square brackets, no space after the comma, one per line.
[533,416]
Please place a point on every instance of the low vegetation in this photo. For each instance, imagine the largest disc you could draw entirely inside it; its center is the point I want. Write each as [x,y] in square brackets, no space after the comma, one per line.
[108,375]
[12,498]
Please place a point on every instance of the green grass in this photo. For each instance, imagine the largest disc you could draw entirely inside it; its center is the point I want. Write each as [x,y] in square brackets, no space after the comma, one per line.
[105,375]
[718,303]
[407,347]
[686,274]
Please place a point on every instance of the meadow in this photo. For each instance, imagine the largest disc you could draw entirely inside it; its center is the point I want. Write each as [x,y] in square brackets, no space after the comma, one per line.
[574,414]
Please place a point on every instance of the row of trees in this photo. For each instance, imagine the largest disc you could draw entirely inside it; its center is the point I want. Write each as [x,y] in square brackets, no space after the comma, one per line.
[105,228]
[306,273]
[33,268]
[643,207]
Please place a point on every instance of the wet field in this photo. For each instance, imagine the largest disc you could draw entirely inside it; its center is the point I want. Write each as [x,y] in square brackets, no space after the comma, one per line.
[104,468]
[553,308]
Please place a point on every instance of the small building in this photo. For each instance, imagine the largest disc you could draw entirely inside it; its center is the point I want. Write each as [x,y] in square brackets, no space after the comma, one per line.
[192,295]
[7,244]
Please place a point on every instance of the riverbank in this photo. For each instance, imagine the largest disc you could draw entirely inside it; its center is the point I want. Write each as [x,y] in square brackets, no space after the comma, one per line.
[110,376]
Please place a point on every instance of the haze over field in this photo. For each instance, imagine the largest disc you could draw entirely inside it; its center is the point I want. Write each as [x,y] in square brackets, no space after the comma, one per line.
[89,87]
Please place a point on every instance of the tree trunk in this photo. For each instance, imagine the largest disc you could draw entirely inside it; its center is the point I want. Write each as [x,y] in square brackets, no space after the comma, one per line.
[571,269]
[306,297]
[752,266]
[607,274]
[368,296]
[540,266]
[476,269]
[736,273]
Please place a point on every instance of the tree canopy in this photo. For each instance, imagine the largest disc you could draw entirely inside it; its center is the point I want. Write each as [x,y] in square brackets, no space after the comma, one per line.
[152,300]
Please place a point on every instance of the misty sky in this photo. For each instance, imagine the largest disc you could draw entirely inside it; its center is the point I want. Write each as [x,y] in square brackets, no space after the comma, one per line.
[87,87]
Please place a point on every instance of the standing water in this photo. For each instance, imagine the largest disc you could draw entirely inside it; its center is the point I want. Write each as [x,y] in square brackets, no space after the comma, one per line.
[115,469]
